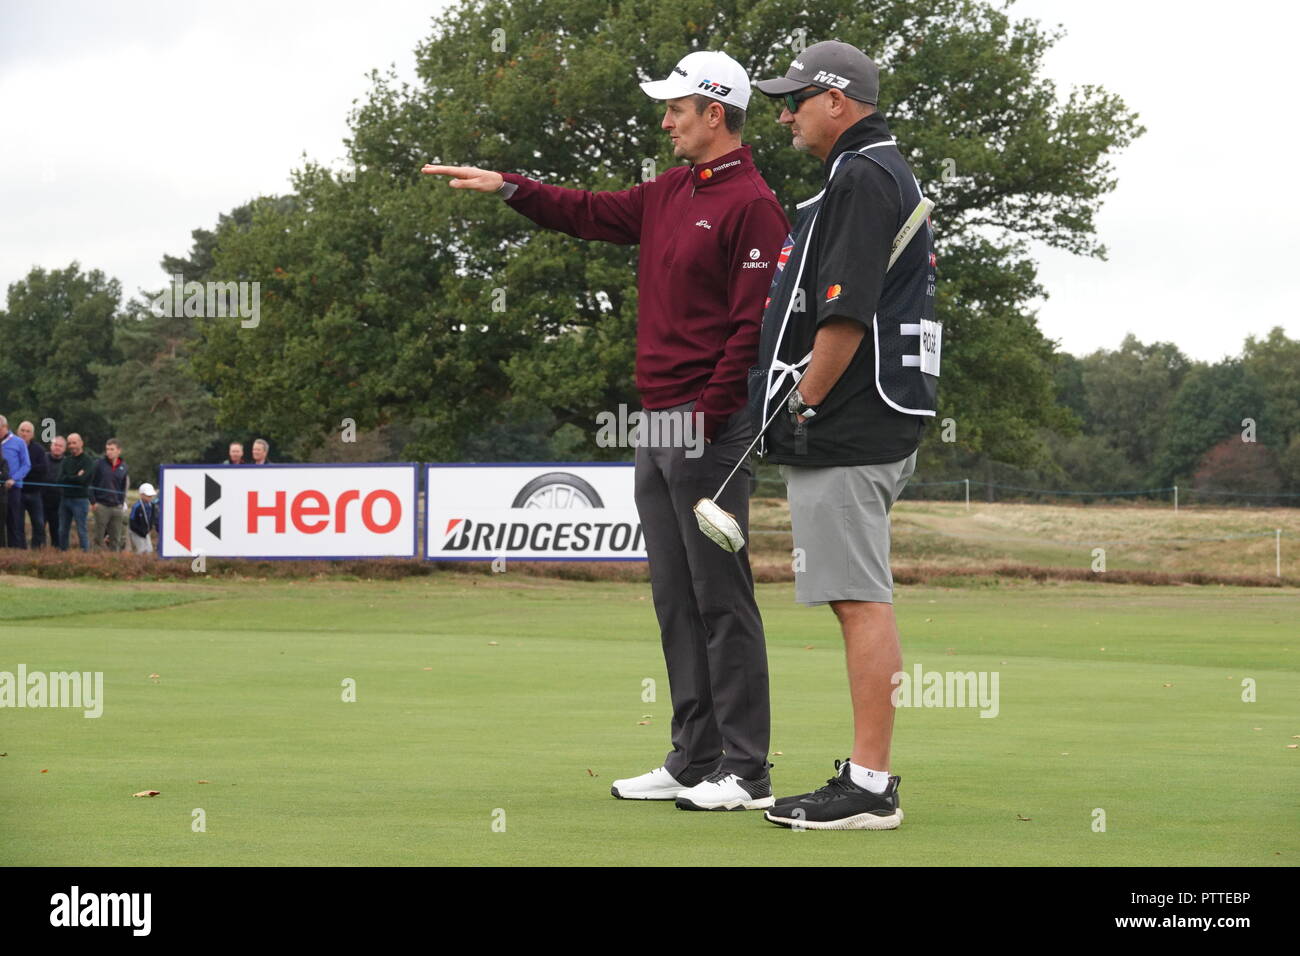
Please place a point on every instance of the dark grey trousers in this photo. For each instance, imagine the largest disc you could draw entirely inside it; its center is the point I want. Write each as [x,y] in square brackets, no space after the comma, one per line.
[704,598]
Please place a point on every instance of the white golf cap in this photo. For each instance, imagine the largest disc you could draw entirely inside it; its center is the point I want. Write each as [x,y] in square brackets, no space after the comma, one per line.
[708,72]
[147,489]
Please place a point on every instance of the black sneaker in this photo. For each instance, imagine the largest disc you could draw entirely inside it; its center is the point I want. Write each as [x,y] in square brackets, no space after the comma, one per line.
[724,790]
[840,805]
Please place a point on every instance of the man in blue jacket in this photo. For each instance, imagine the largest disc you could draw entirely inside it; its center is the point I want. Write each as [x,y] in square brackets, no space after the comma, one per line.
[15,454]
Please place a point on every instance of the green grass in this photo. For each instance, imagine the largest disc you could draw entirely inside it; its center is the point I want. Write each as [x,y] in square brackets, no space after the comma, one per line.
[449,727]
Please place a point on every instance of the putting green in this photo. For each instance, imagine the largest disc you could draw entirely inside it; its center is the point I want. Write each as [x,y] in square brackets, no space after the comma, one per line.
[491,714]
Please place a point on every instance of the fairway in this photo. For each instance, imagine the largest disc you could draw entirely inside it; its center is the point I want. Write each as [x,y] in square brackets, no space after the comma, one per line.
[516,700]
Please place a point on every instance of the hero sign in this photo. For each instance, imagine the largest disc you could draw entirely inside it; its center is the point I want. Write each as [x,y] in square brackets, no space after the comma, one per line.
[289,511]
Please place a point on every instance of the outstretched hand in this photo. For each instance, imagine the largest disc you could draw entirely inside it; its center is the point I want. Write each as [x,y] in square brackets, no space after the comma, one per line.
[467,177]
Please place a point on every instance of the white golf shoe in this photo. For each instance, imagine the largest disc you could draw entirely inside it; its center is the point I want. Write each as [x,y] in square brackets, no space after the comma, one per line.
[726,791]
[658,784]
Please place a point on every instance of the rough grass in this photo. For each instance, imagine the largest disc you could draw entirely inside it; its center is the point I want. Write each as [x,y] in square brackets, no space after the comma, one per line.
[931,542]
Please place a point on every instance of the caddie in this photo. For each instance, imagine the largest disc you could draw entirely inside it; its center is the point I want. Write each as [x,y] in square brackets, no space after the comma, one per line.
[859,338]
[709,234]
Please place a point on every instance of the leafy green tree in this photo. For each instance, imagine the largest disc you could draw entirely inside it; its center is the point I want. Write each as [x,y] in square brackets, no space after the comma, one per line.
[1273,362]
[1128,392]
[390,299]
[1210,405]
[159,410]
[56,328]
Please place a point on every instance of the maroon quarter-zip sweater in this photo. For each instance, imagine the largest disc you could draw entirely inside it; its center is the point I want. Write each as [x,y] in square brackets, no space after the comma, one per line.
[709,237]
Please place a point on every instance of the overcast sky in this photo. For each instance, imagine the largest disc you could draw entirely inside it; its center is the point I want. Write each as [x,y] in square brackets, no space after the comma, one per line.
[124,126]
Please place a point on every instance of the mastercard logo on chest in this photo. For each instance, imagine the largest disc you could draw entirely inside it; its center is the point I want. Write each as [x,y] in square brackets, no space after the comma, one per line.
[833,292]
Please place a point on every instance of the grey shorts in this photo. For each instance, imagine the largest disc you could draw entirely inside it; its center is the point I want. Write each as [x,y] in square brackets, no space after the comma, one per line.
[840,519]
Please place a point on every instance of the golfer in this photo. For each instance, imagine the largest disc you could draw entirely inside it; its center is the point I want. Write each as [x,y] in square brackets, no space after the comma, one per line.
[865,354]
[709,235]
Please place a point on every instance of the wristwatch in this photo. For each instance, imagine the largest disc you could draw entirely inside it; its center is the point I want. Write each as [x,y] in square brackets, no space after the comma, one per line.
[798,406]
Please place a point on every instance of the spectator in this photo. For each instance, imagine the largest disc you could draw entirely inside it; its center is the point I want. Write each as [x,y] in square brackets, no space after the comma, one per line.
[143,519]
[52,497]
[236,454]
[14,450]
[75,477]
[35,483]
[260,448]
[4,502]
[108,497]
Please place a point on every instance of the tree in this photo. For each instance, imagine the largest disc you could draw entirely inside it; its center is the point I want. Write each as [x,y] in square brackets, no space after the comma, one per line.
[381,292]
[1210,405]
[1234,465]
[159,411]
[1273,363]
[56,328]
[1128,392]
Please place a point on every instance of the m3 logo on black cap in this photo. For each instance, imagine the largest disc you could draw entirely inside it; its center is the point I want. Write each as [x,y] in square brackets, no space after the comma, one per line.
[838,82]
[709,86]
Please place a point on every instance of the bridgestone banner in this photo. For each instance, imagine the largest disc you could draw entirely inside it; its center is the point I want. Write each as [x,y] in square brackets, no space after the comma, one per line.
[537,512]
[290,511]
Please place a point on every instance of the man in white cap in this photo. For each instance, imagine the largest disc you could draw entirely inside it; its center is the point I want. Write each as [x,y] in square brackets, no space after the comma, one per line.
[710,234]
[143,519]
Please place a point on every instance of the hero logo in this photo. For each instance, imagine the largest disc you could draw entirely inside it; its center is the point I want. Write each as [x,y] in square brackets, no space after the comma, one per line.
[838,82]
[704,224]
[798,66]
[709,86]
[310,512]
[183,523]
[678,69]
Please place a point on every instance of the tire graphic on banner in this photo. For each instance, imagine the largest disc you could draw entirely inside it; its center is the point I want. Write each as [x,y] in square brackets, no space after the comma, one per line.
[557,489]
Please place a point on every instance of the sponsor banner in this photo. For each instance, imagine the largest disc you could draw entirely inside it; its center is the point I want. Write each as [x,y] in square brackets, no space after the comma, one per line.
[290,511]
[534,512]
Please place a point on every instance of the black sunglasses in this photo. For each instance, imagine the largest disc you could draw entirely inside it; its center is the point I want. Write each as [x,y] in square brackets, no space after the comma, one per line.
[794,100]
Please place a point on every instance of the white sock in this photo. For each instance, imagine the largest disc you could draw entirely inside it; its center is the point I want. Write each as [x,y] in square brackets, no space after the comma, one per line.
[874,780]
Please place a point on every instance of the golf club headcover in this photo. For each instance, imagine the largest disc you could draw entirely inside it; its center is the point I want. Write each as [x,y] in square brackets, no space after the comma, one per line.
[718,525]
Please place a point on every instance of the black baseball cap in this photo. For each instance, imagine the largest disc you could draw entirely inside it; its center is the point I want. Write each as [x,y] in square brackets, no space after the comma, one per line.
[832,65]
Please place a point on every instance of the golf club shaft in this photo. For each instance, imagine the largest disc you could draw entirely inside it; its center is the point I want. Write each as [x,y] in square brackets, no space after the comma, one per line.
[769,421]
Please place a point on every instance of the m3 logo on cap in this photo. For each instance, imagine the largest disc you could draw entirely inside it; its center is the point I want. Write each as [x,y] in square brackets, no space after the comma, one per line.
[834,292]
[708,86]
[838,82]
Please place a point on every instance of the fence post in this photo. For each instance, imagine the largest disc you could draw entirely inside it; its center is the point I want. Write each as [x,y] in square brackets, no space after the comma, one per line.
[1279,552]
[1175,499]
[967,480]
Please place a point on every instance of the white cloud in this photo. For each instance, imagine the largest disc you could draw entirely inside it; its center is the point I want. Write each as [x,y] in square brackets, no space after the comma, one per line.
[122,133]
[1202,228]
